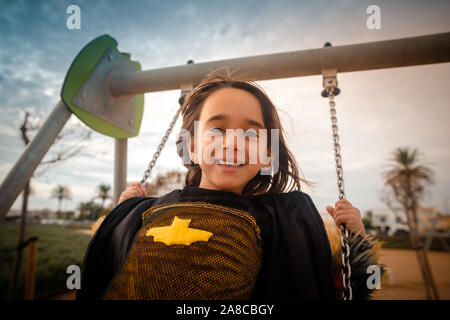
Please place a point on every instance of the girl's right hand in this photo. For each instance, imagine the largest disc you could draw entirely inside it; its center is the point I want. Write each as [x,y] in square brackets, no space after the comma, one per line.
[134,190]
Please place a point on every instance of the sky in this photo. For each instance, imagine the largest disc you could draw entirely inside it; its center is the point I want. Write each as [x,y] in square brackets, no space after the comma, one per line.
[378,110]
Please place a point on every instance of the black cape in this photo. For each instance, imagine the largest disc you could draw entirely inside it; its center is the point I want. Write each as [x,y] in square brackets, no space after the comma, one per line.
[297,260]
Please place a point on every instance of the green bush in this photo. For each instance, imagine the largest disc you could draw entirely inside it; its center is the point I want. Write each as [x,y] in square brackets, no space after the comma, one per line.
[58,248]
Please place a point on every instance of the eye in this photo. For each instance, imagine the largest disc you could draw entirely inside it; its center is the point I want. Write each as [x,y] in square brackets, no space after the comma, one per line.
[251,133]
[216,129]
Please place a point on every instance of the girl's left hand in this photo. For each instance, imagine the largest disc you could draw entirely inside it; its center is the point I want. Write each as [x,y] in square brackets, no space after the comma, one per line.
[346,213]
[134,190]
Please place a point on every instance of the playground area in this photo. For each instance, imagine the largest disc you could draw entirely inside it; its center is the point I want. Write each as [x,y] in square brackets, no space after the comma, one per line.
[405,281]
[381,80]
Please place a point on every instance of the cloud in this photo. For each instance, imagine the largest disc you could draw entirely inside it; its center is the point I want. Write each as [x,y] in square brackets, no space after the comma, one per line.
[377,110]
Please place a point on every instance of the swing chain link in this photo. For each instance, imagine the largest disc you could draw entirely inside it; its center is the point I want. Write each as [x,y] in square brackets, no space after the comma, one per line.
[344,235]
[161,145]
[337,146]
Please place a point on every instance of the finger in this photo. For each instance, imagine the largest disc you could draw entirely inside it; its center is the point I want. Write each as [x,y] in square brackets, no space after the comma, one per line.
[134,184]
[348,220]
[353,210]
[344,214]
[342,219]
[343,206]
[136,187]
[144,193]
[345,211]
[139,191]
[343,201]
[139,186]
[125,196]
[133,192]
[330,210]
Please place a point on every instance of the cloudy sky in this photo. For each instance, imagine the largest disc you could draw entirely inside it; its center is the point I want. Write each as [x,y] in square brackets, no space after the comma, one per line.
[378,111]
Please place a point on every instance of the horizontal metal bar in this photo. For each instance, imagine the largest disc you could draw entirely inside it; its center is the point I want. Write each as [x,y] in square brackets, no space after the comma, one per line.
[20,174]
[357,57]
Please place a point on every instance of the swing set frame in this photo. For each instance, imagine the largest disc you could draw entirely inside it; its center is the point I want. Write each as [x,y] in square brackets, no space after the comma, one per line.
[404,52]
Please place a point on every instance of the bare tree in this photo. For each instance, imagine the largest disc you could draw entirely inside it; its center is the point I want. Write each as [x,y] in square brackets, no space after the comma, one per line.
[165,182]
[72,141]
[23,217]
[60,152]
[406,180]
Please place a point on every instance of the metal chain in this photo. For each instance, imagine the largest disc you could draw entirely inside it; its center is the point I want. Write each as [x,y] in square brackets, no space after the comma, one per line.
[161,145]
[346,269]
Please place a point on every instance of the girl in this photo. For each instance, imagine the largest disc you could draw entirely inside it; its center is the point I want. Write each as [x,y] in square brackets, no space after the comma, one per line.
[233,231]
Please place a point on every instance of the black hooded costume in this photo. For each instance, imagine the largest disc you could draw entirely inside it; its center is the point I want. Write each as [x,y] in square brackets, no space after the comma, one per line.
[295,257]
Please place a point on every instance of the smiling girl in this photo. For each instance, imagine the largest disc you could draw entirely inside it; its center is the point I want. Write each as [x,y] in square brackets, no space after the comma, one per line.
[239,229]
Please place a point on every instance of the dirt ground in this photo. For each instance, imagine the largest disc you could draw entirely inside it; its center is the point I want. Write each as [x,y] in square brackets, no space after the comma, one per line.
[84,231]
[403,280]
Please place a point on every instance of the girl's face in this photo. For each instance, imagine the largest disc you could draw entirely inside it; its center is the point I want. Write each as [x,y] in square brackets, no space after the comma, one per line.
[229,108]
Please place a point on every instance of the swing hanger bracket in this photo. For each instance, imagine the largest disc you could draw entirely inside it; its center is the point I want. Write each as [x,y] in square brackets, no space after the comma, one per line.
[95,98]
[186,89]
[329,82]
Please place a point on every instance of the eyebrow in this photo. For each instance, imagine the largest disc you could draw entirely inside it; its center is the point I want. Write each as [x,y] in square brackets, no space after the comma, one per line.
[224,117]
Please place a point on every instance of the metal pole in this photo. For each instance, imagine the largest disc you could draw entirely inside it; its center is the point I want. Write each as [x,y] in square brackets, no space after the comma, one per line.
[356,57]
[120,167]
[20,174]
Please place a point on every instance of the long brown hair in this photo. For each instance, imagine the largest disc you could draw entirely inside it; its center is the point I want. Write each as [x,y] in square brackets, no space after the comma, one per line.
[287,177]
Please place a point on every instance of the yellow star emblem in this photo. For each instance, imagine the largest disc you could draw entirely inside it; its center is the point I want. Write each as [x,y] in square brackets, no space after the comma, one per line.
[178,233]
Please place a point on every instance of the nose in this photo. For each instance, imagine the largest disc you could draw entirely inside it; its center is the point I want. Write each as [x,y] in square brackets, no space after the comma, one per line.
[233,150]
[232,144]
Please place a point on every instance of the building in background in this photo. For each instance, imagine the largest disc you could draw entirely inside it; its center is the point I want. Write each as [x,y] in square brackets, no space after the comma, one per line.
[386,221]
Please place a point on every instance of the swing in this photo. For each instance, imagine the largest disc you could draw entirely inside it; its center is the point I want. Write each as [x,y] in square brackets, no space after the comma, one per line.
[330,90]
[185,90]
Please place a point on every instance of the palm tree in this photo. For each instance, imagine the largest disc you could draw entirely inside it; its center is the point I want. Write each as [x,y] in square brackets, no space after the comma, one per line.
[84,207]
[406,178]
[103,193]
[61,192]
[89,210]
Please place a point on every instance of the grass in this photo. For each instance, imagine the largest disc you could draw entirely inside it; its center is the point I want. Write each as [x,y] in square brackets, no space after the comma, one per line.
[61,246]
[58,248]
[403,242]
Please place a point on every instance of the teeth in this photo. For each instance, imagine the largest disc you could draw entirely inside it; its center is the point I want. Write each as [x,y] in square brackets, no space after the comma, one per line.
[227,163]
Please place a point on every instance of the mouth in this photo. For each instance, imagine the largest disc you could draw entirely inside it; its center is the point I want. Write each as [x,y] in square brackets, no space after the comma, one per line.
[229,165]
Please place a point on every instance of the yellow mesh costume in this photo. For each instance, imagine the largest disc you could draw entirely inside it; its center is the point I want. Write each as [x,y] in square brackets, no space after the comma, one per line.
[191,249]
[198,243]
